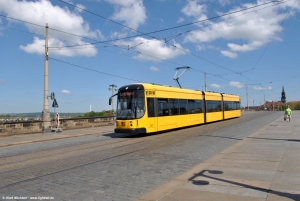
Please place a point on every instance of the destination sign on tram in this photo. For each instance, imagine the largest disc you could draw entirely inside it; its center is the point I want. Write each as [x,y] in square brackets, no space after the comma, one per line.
[150,93]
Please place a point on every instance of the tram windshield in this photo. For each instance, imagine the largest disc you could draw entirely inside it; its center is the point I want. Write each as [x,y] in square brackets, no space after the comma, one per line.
[131,104]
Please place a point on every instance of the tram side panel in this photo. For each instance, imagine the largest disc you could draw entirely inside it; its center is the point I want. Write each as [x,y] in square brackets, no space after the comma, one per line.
[214,107]
[231,106]
[168,109]
[178,109]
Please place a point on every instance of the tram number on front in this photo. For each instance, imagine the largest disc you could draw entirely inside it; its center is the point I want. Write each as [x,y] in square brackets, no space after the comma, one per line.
[150,93]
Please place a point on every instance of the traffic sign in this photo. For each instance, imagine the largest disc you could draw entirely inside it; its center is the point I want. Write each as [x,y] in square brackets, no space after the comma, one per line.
[54,104]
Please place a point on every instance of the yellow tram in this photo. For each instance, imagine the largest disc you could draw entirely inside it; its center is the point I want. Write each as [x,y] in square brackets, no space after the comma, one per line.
[148,108]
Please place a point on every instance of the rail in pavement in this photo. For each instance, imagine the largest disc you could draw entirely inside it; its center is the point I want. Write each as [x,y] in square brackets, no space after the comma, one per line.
[263,167]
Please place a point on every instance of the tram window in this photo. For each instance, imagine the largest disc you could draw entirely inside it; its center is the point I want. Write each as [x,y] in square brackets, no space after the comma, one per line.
[226,106]
[209,106]
[174,107]
[218,106]
[231,105]
[183,106]
[198,106]
[163,107]
[238,106]
[191,106]
[150,106]
[214,106]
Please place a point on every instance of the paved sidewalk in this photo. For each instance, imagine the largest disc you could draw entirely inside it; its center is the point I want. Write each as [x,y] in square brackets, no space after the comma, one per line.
[40,137]
[263,167]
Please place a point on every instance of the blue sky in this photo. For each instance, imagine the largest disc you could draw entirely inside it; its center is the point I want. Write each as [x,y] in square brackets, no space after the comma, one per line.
[96,43]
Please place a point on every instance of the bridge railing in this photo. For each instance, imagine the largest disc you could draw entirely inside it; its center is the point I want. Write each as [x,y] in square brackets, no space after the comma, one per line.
[35,126]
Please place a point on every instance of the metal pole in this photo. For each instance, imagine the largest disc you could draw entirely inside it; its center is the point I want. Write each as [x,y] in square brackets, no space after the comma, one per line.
[204,81]
[112,101]
[247,96]
[247,93]
[46,112]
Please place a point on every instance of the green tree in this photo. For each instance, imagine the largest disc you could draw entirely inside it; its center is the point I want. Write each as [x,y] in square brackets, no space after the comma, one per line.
[282,107]
[297,106]
[97,114]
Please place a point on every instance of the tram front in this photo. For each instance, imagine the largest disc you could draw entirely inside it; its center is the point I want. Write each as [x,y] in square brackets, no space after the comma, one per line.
[130,109]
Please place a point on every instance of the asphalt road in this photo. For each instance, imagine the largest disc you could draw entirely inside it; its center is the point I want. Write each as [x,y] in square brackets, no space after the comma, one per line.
[116,166]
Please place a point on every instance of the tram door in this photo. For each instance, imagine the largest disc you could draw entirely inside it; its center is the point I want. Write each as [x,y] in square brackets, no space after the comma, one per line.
[152,115]
[164,120]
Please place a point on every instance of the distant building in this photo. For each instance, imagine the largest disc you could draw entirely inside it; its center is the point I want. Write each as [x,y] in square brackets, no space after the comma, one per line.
[272,106]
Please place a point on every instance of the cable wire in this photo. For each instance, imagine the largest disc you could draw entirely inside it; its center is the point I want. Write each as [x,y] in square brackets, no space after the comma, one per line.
[94,70]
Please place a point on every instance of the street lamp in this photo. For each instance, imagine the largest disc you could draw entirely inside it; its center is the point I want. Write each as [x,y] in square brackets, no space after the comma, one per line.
[112,88]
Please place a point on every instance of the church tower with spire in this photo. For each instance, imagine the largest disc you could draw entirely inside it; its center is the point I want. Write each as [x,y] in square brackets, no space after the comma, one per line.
[283,98]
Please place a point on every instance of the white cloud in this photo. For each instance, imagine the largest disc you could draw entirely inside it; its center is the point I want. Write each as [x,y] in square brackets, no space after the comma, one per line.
[35,47]
[132,12]
[157,49]
[200,47]
[229,54]
[216,86]
[224,2]
[236,84]
[116,34]
[1,27]
[181,19]
[231,84]
[42,12]
[78,8]
[213,47]
[193,9]
[245,47]
[100,35]
[65,91]
[69,1]
[254,29]
[153,68]
[2,81]
[38,47]
[262,88]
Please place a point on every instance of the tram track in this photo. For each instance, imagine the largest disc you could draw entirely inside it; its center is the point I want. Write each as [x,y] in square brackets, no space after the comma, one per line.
[79,166]
[50,148]
[59,149]
[26,157]
[89,156]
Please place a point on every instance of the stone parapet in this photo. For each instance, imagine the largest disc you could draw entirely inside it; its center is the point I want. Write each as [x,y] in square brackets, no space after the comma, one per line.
[27,127]
[75,123]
